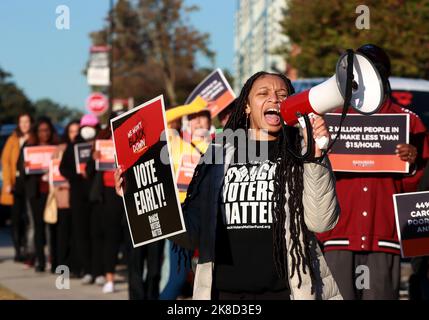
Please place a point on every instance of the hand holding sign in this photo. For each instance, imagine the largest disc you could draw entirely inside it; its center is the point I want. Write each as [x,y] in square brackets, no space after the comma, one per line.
[119,181]
[150,198]
[406,152]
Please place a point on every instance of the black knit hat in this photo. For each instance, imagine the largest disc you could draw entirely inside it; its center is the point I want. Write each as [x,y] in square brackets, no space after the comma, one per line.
[378,57]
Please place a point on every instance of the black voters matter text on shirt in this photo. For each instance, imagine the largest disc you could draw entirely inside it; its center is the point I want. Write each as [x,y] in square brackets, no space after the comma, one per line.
[247,196]
[244,246]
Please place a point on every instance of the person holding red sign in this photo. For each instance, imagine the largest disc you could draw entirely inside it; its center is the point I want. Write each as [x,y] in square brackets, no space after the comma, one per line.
[36,191]
[364,243]
[257,241]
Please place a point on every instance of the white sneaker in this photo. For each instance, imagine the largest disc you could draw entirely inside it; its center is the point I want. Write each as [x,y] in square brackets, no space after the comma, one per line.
[100,280]
[87,279]
[109,287]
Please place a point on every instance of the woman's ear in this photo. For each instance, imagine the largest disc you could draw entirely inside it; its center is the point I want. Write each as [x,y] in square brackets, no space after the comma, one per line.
[247,110]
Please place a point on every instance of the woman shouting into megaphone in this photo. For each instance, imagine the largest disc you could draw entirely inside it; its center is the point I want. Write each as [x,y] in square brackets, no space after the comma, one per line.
[252,218]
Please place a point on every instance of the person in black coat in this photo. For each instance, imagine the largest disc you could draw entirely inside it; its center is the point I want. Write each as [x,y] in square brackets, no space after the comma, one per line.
[79,200]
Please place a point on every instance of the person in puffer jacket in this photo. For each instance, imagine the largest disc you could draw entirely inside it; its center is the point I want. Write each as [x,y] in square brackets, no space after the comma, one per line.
[252,215]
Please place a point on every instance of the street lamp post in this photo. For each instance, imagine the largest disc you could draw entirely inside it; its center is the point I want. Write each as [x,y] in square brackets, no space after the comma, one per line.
[110,44]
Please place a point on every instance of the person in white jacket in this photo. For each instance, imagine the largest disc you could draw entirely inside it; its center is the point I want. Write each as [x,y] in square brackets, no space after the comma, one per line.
[252,218]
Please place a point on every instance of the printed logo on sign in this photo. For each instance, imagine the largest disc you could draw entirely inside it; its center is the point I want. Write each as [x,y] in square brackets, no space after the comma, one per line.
[137,139]
[155,225]
[363,163]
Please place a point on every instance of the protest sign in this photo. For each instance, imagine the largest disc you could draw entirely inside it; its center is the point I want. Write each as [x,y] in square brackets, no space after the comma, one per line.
[412,223]
[55,177]
[215,90]
[150,194]
[37,158]
[106,162]
[82,153]
[368,143]
[185,170]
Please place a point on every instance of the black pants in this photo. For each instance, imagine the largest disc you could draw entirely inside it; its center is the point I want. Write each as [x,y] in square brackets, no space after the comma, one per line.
[18,217]
[81,227]
[64,245]
[53,245]
[349,269]
[419,280]
[113,214]
[97,239]
[38,207]
[149,289]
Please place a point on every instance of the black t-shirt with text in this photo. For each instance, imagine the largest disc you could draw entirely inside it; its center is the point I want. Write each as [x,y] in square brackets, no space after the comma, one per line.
[244,245]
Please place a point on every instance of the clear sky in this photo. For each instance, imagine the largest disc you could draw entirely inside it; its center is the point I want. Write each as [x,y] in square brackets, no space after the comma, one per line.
[47,62]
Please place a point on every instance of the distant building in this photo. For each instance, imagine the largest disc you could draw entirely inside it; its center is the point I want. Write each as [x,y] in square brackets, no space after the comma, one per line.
[257,34]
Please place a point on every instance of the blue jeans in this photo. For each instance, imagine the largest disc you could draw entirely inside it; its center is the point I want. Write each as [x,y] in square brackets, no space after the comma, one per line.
[177,278]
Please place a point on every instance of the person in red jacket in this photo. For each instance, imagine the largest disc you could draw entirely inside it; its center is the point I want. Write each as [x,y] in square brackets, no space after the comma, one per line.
[366,232]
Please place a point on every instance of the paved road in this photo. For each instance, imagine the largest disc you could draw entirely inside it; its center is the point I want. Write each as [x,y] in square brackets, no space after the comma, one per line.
[31,285]
[28,284]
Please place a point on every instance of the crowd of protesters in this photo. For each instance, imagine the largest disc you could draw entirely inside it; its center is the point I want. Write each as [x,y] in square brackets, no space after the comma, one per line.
[91,232]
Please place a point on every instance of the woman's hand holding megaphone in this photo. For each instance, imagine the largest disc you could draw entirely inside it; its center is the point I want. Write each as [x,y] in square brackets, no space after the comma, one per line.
[320,134]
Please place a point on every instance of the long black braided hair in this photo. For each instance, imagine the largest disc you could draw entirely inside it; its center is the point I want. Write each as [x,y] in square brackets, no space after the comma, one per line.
[289,174]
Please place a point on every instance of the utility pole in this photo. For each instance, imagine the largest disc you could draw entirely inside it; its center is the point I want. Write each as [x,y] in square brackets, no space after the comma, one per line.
[110,45]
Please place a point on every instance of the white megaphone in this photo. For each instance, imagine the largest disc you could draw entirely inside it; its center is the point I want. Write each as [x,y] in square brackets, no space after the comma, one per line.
[368,92]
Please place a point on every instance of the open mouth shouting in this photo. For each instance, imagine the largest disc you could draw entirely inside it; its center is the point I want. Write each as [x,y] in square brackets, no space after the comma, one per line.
[272,116]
